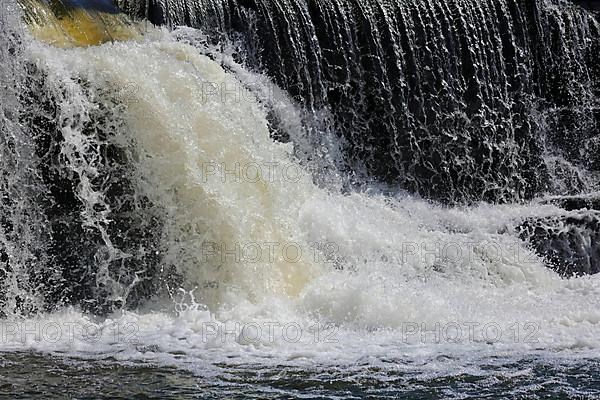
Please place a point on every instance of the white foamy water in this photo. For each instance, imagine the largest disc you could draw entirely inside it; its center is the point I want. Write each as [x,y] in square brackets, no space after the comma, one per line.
[275,268]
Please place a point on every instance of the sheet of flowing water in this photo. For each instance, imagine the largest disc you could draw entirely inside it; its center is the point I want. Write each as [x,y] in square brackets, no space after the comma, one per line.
[454,100]
[301,286]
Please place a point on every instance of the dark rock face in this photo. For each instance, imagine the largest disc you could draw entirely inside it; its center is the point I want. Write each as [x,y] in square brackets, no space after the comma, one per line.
[571,203]
[105,6]
[589,4]
[570,244]
[453,100]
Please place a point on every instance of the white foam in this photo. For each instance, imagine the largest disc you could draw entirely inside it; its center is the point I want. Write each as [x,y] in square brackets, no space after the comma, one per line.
[379,277]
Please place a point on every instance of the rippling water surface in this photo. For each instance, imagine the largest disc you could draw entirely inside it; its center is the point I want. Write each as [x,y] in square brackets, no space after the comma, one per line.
[38,376]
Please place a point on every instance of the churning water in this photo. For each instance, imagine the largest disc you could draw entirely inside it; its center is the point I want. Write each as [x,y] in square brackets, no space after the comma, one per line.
[176,217]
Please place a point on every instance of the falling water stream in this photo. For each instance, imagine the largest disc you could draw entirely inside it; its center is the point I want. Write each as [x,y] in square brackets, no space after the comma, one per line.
[299,198]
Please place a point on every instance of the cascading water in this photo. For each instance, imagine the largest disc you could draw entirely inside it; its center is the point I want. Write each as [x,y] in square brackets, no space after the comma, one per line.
[458,101]
[159,182]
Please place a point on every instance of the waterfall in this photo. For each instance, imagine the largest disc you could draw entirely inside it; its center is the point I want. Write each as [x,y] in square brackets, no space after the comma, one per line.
[458,101]
[139,179]
[279,162]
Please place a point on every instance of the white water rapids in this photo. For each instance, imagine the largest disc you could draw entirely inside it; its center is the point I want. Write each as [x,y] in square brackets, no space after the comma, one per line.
[274,266]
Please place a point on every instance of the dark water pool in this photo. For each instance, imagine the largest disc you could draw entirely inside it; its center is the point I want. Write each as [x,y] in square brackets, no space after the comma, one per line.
[39,376]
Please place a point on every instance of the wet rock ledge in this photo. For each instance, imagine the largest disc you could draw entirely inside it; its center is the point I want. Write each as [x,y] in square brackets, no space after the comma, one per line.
[569,243]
